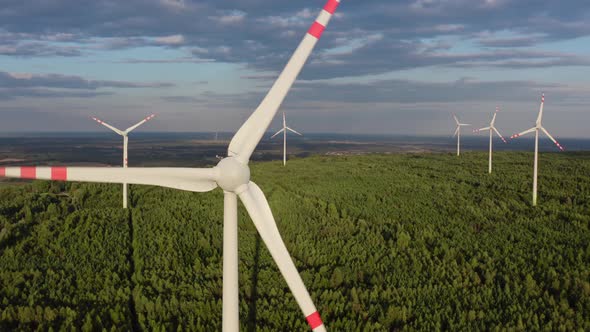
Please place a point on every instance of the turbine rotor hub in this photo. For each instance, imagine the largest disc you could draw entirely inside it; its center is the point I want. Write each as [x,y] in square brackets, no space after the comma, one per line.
[232,174]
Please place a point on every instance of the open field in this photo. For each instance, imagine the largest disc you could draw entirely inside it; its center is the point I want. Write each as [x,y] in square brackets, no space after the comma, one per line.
[383,242]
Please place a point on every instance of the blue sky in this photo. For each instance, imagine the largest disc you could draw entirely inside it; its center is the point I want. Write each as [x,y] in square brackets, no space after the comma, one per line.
[398,67]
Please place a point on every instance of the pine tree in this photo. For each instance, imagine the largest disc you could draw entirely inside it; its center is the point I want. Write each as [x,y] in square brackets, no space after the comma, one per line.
[337,278]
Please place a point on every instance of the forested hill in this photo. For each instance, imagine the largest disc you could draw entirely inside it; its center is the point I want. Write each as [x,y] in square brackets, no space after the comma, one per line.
[383,243]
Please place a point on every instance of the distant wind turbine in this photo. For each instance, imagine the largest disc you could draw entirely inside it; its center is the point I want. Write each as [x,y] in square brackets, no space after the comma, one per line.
[491,129]
[458,133]
[284,131]
[538,126]
[124,133]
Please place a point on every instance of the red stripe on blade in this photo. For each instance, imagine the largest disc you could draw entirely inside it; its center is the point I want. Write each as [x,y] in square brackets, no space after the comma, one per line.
[316,30]
[331,6]
[59,173]
[314,320]
[2,171]
[28,172]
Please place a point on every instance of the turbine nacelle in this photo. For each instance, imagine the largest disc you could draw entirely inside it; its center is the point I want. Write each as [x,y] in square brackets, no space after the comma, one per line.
[232,174]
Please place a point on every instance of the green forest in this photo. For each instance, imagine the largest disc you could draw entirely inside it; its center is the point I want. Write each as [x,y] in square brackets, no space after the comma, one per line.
[383,243]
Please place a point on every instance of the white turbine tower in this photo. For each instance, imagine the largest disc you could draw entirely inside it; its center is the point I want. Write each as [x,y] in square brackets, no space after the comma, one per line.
[125,134]
[231,174]
[538,126]
[492,130]
[458,133]
[284,131]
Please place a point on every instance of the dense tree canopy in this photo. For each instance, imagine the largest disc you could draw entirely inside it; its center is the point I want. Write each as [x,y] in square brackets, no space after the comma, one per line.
[383,242]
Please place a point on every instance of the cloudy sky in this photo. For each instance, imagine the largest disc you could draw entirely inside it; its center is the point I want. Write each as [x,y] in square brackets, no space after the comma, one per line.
[394,66]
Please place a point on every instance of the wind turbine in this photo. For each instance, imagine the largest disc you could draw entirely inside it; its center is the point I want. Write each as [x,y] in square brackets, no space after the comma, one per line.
[458,133]
[231,174]
[125,134]
[284,131]
[491,129]
[538,126]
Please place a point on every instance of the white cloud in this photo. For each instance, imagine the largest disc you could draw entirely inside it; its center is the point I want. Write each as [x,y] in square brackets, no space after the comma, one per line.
[231,18]
[448,28]
[306,13]
[21,76]
[170,40]
[173,4]
[302,17]
[60,37]
[7,50]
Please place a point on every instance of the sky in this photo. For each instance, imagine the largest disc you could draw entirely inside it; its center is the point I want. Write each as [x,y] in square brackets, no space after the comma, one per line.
[386,67]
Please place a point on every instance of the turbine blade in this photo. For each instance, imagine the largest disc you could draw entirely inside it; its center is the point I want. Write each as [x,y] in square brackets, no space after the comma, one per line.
[294,131]
[523,133]
[464,124]
[494,117]
[278,132]
[456,131]
[481,129]
[246,139]
[540,117]
[456,120]
[553,139]
[255,202]
[498,133]
[189,179]
[128,130]
[108,126]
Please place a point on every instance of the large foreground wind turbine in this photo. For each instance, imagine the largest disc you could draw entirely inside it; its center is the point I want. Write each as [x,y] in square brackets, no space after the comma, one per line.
[284,131]
[458,133]
[125,134]
[492,130]
[231,174]
[538,126]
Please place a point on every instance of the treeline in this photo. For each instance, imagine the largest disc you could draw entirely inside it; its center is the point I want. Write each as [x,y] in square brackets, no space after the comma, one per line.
[397,242]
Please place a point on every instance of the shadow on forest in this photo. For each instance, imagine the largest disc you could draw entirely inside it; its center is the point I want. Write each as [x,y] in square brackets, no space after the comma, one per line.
[254,289]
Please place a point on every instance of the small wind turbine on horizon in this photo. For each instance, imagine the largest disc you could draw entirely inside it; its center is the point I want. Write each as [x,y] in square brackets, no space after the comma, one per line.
[458,133]
[284,131]
[538,126]
[492,129]
[232,174]
[125,134]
